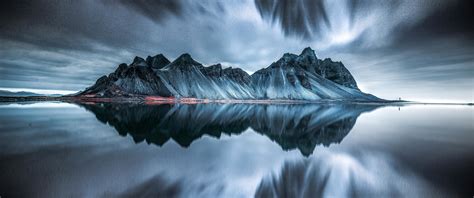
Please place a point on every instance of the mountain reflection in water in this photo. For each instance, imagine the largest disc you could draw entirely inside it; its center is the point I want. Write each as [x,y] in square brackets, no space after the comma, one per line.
[294,126]
[235,150]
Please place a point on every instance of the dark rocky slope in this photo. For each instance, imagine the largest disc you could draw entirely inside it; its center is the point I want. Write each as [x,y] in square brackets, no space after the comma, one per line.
[301,77]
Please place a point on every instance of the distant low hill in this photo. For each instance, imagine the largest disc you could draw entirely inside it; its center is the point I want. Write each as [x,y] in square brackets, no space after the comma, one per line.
[5,93]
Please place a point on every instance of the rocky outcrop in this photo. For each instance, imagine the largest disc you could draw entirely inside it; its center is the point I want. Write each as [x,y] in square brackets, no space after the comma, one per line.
[301,77]
[336,72]
[157,62]
[186,77]
[333,71]
[305,76]
[128,80]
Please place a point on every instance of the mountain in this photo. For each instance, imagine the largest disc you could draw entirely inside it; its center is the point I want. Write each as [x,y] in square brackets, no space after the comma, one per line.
[299,77]
[305,76]
[294,126]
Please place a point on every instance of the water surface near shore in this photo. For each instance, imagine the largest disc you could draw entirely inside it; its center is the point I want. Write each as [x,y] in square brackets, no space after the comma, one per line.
[54,149]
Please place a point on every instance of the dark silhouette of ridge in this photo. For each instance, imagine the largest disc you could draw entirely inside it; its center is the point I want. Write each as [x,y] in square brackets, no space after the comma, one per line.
[301,126]
[292,77]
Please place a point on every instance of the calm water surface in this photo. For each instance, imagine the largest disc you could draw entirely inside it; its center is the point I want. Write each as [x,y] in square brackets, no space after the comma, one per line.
[235,150]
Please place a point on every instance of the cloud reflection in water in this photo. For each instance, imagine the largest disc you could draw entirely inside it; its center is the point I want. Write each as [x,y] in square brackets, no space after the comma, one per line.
[336,174]
[231,150]
[302,126]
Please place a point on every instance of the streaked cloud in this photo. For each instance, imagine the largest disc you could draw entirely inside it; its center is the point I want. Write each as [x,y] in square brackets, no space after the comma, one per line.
[67,45]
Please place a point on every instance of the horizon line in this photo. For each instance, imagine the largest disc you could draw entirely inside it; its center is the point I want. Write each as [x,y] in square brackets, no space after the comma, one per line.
[39,91]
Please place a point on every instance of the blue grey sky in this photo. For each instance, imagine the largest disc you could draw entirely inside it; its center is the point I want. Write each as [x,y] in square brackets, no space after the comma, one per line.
[415,49]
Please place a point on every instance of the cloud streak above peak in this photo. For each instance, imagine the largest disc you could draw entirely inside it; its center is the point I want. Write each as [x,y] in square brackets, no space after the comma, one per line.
[333,23]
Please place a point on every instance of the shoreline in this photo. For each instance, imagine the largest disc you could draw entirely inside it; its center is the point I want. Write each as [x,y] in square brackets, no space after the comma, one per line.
[151,100]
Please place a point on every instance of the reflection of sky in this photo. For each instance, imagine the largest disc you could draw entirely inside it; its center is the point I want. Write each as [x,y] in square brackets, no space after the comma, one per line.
[338,174]
[56,151]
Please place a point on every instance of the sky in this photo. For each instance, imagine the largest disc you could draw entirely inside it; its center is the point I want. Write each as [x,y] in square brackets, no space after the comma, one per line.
[420,50]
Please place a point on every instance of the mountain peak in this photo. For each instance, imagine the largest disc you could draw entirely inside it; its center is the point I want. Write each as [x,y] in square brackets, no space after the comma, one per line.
[157,62]
[138,61]
[215,66]
[185,56]
[308,52]
[308,49]
[185,60]
[307,59]
[286,60]
[289,56]
[160,56]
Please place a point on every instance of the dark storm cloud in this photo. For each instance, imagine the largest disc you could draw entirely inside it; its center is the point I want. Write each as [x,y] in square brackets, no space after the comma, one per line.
[160,10]
[68,44]
[400,45]
[306,18]
[155,9]
[368,22]
[454,19]
[302,18]
[65,44]
[72,25]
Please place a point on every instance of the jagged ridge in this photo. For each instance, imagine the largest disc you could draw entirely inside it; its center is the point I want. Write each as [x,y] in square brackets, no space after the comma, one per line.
[303,77]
